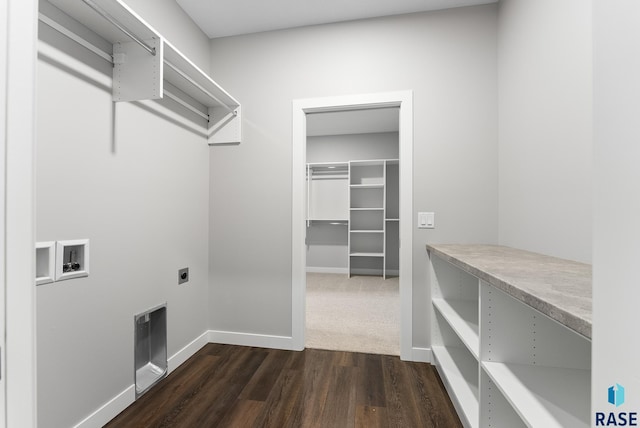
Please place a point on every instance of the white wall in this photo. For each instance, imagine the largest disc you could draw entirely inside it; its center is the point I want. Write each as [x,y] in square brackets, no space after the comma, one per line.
[133,178]
[616,248]
[447,58]
[545,109]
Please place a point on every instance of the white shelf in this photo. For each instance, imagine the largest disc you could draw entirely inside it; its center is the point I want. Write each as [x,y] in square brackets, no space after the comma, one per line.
[544,396]
[217,97]
[391,219]
[367,254]
[371,162]
[367,231]
[325,220]
[90,19]
[175,57]
[459,372]
[366,209]
[462,316]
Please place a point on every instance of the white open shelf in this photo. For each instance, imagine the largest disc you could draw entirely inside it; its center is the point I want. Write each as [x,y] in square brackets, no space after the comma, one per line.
[366,209]
[459,372]
[367,254]
[367,231]
[462,317]
[544,396]
[139,75]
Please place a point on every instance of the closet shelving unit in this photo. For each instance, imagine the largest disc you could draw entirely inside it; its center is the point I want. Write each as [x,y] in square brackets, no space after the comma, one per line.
[143,60]
[327,193]
[509,352]
[357,194]
[368,240]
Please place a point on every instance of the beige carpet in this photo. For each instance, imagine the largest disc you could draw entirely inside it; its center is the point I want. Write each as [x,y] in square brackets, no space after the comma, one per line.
[358,314]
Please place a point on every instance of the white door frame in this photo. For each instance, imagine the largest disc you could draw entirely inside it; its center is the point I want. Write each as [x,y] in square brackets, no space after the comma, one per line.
[403,100]
[19,18]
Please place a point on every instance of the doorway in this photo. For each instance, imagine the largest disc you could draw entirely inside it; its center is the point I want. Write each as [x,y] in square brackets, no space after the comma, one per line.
[301,108]
[352,288]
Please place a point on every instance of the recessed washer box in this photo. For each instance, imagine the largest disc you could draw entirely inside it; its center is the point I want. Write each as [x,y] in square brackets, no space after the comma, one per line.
[72,259]
[150,355]
[45,262]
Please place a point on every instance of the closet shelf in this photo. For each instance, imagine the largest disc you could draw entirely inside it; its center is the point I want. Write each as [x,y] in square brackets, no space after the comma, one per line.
[326,220]
[367,254]
[462,317]
[140,72]
[461,379]
[366,209]
[367,231]
[544,396]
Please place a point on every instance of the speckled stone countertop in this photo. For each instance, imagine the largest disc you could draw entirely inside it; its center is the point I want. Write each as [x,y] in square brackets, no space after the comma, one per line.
[560,289]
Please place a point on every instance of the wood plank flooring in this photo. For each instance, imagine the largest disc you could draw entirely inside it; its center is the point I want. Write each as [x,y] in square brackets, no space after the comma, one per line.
[235,386]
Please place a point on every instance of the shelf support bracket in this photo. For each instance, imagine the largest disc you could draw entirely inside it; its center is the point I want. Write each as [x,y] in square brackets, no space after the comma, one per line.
[137,75]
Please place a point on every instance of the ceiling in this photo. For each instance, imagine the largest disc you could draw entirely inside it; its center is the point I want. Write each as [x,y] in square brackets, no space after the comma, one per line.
[219,18]
[353,122]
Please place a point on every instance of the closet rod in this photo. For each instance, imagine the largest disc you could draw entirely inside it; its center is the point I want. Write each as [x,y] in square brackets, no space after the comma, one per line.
[73,36]
[100,11]
[96,50]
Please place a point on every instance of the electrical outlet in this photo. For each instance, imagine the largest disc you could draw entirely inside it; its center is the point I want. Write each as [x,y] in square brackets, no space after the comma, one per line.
[183,275]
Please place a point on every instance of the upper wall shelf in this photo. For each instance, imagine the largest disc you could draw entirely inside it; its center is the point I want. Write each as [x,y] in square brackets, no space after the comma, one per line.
[139,71]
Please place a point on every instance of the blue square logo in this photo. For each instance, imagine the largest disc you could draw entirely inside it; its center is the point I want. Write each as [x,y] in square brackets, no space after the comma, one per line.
[616,395]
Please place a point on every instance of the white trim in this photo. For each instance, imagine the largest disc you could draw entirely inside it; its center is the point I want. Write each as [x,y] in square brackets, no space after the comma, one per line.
[249,339]
[342,271]
[124,399]
[177,359]
[404,100]
[20,365]
[421,355]
[110,409]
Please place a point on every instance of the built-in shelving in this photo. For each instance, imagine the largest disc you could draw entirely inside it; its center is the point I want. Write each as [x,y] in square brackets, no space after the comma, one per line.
[462,316]
[368,189]
[491,329]
[460,374]
[544,396]
[143,59]
[359,191]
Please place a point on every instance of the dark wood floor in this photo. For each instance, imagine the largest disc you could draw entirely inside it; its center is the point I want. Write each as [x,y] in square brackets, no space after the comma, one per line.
[235,386]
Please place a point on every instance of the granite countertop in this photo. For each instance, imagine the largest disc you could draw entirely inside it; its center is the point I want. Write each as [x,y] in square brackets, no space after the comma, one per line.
[560,289]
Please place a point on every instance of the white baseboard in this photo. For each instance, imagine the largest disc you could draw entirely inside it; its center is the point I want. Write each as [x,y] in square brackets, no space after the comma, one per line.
[123,400]
[185,353]
[344,271]
[110,410]
[249,339]
[365,271]
[421,355]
